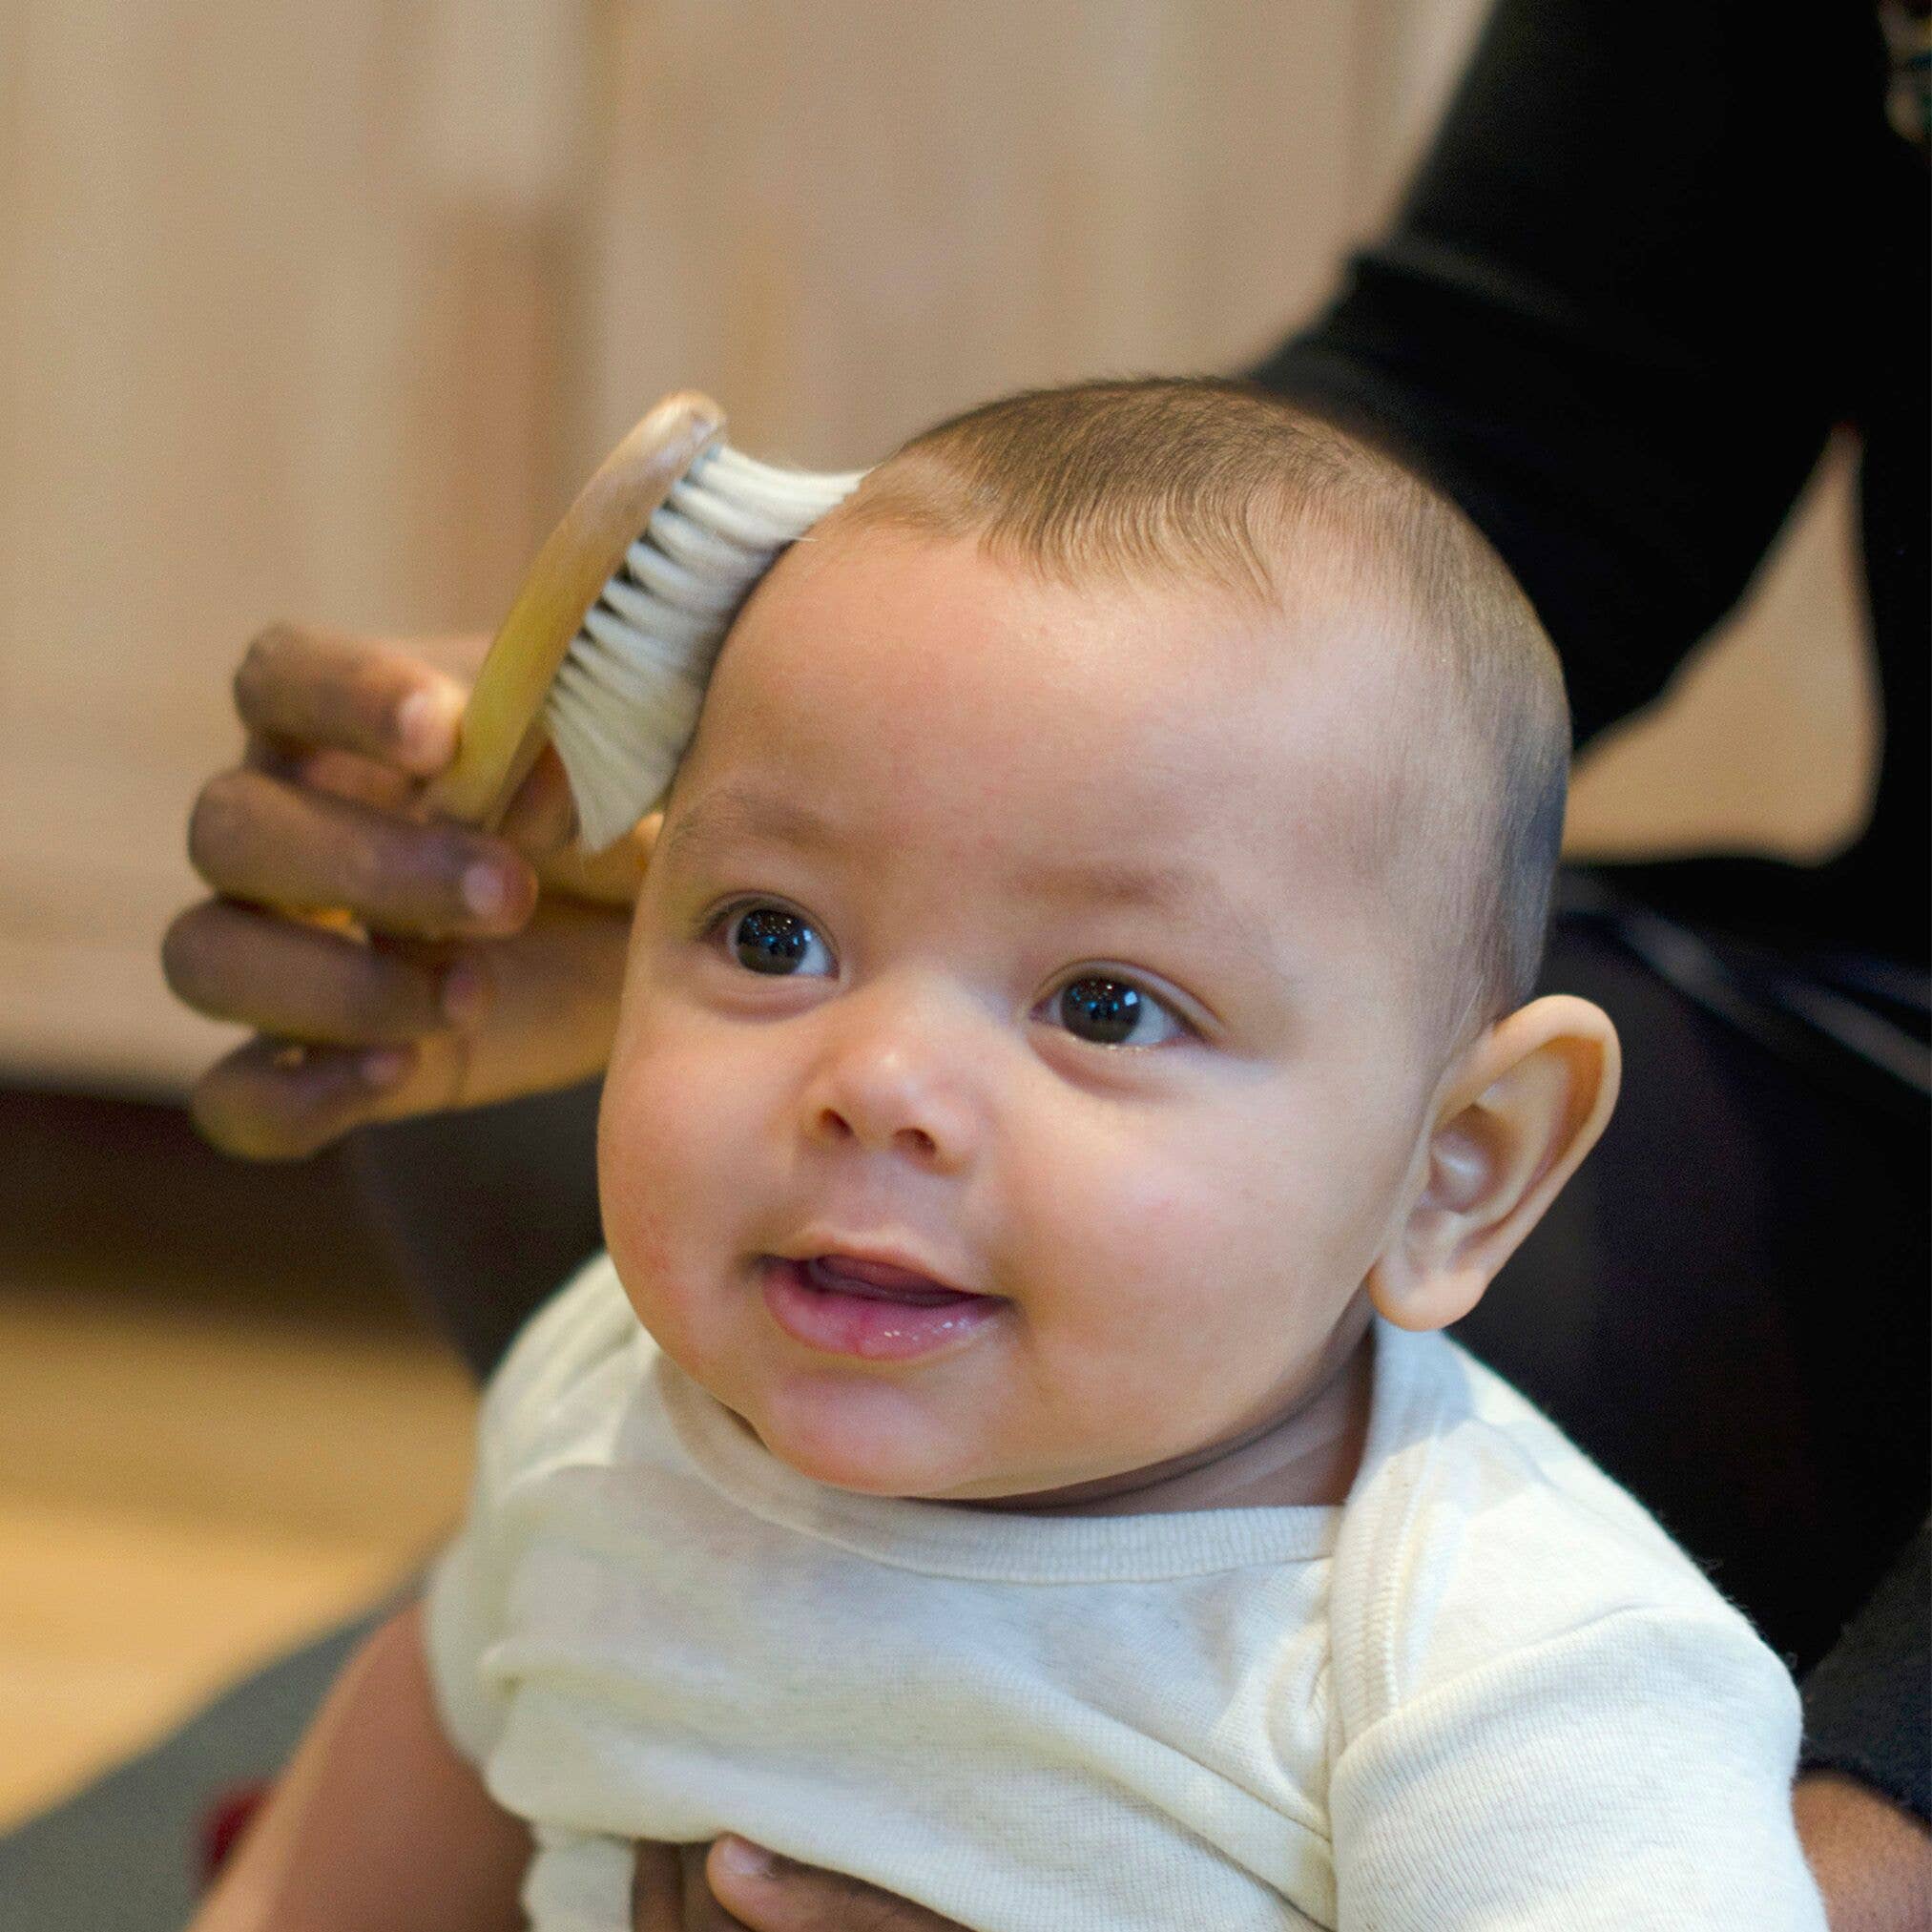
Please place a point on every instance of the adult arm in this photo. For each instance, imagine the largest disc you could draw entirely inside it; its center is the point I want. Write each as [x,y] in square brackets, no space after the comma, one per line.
[1613,315]
[1628,293]
[1867,1792]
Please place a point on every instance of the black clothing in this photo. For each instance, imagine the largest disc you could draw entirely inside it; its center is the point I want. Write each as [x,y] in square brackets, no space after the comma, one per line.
[1726,1309]
[1657,253]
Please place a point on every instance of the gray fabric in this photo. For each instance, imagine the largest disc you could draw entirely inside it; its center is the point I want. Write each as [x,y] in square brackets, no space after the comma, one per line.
[121,1854]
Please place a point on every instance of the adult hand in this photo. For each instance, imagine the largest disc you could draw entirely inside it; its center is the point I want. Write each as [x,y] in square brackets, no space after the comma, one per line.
[392,964]
[735,1887]
[1872,1861]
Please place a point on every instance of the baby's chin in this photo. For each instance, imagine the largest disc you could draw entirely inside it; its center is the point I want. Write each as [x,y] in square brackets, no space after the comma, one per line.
[872,1436]
[930,1437]
[877,1439]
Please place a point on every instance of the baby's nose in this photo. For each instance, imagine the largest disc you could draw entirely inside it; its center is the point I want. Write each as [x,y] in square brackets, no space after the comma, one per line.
[857,1122]
[896,1079]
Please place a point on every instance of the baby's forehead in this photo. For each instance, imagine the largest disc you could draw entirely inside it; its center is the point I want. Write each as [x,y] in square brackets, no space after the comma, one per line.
[893,599]
[1116,705]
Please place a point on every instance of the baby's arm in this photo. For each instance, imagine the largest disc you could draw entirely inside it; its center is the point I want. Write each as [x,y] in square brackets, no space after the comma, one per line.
[378,1825]
[1633,1772]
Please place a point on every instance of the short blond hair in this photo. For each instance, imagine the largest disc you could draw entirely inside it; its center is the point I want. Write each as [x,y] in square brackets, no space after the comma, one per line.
[1201,479]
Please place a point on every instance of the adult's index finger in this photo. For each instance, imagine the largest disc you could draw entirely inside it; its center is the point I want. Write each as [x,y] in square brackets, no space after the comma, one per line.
[299,686]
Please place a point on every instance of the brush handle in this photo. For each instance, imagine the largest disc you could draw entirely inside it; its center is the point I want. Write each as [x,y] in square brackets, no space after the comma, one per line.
[503,726]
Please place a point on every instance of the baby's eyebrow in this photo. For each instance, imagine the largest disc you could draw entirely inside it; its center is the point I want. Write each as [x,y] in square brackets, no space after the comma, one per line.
[1111,881]
[735,812]
[1179,893]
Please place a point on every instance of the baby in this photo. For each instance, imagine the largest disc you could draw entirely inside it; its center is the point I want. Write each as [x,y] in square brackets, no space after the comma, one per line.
[1077,1056]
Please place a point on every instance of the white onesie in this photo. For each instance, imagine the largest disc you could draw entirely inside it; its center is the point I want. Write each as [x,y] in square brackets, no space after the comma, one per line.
[1487,1691]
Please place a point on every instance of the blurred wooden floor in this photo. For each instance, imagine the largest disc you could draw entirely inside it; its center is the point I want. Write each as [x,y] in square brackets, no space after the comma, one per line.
[219,1429]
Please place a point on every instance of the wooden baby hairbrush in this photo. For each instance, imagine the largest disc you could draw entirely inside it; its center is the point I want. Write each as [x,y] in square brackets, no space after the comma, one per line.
[610,642]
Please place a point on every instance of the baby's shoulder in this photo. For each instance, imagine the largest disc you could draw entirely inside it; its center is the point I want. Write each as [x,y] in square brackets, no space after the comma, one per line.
[1478,1531]
[568,1380]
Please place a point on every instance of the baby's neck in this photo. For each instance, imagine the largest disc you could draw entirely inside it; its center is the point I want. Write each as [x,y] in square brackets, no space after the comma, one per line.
[1306,1455]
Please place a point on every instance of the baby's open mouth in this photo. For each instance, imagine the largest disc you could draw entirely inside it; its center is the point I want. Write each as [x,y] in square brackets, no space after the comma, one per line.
[880,1281]
[846,1304]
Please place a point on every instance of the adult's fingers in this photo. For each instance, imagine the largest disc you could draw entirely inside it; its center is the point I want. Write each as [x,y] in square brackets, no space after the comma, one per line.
[343,775]
[702,1913]
[535,1012]
[543,1009]
[541,820]
[253,836]
[771,1894]
[274,1100]
[298,686]
[668,1892]
[301,982]
[611,877]
[368,721]
[656,1889]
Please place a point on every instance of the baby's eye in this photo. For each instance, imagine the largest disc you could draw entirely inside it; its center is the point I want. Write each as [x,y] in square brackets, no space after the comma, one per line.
[767,939]
[1110,1012]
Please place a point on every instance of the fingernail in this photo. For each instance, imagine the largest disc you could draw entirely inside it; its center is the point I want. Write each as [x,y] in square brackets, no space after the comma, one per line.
[425,729]
[464,987]
[486,890]
[742,1858]
[383,1066]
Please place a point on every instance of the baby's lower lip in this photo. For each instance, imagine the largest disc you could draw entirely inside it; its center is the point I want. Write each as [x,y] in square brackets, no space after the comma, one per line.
[842,1316]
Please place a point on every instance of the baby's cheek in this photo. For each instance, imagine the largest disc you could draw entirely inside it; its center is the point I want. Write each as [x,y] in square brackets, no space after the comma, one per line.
[1163,1264]
[637,1229]
[1150,1214]
[1122,1239]
[658,1167]
[641,1248]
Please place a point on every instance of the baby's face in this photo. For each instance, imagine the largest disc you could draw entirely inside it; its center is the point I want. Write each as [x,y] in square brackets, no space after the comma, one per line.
[1015,1078]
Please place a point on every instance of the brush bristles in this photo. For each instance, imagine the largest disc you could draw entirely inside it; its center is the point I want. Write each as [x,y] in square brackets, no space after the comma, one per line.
[626,701]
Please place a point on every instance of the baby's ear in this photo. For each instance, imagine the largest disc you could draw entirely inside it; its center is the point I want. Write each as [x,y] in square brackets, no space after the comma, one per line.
[1524,1106]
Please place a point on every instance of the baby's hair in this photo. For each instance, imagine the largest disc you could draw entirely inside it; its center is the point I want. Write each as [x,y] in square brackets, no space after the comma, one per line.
[1202,478]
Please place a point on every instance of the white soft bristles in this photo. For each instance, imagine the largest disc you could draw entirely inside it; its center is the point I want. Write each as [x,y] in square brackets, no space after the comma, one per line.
[626,701]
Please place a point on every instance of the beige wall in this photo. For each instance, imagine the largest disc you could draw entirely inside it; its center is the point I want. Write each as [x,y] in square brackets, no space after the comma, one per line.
[324,311]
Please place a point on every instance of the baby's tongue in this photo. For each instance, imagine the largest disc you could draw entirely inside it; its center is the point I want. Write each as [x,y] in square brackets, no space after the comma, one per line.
[878,1280]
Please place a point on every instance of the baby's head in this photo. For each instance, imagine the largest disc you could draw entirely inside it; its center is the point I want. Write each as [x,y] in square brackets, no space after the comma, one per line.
[1082,970]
